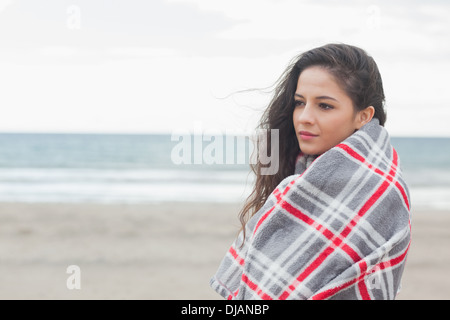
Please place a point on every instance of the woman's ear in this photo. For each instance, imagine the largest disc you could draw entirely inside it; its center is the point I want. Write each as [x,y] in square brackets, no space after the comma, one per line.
[364,116]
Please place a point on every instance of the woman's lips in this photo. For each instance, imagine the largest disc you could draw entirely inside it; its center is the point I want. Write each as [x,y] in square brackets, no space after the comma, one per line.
[306,135]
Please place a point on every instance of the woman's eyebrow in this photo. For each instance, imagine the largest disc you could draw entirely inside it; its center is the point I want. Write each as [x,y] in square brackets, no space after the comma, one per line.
[327,97]
[320,97]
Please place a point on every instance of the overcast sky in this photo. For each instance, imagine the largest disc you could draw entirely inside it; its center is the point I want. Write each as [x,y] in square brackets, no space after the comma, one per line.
[142,66]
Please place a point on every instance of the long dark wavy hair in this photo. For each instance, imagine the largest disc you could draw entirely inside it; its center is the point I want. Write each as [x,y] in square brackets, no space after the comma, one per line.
[357,74]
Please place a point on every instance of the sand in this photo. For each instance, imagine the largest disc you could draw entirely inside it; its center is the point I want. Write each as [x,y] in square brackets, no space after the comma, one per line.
[159,251]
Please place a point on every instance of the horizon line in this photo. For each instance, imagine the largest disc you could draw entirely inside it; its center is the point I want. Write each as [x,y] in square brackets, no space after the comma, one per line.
[207,132]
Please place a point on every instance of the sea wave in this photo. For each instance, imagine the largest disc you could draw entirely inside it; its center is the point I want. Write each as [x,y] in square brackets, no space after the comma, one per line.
[89,185]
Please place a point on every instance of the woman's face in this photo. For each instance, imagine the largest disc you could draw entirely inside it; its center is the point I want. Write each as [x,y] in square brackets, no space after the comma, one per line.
[324,115]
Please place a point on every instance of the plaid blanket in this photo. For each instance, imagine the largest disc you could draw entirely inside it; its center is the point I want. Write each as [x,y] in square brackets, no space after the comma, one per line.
[338,229]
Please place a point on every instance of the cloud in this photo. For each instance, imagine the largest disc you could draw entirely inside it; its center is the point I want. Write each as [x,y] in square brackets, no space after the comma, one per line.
[4,4]
[395,29]
[212,28]
[103,23]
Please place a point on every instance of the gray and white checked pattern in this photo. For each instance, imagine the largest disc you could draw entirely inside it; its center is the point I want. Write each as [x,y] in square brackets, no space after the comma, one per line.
[337,229]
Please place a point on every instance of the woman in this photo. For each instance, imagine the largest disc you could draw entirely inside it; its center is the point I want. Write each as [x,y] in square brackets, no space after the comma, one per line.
[334,221]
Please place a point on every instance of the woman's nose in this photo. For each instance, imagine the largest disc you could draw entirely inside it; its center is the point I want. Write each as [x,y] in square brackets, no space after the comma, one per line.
[306,115]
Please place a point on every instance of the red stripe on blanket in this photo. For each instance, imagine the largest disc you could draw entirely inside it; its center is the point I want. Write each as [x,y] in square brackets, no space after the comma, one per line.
[398,185]
[402,191]
[255,288]
[391,174]
[351,152]
[322,256]
[357,156]
[330,292]
[361,283]
[394,261]
[382,265]
[231,296]
[326,232]
[264,217]
[279,197]
[363,290]
[236,256]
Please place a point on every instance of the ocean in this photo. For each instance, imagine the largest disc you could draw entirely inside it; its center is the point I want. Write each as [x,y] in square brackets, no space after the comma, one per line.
[132,168]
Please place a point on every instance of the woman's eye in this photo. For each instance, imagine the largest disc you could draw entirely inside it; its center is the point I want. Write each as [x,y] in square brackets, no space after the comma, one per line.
[325,106]
[299,103]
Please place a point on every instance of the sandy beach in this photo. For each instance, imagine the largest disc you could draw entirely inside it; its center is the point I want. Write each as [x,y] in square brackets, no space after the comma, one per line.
[159,251]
